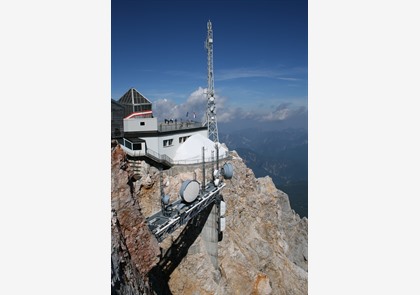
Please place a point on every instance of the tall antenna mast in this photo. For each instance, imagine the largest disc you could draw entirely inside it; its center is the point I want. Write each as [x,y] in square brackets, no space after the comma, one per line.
[211,101]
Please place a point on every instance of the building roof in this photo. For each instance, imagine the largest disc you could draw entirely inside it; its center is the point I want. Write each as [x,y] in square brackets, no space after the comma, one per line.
[135,139]
[116,104]
[133,97]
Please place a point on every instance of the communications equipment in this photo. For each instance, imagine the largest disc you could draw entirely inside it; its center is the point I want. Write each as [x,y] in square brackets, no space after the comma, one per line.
[194,198]
[213,133]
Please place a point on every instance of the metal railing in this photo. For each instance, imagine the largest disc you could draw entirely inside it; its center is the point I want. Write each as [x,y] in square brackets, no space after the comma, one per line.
[159,157]
[172,125]
[162,158]
[199,161]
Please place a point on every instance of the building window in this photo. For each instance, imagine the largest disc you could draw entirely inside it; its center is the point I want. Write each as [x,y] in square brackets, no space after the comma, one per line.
[183,139]
[128,144]
[167,142]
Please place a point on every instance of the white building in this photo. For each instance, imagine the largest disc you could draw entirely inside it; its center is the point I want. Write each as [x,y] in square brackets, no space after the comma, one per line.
[144,136]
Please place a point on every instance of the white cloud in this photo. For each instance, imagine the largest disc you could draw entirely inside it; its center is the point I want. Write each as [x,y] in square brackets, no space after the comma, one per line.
[197,103]
[167,109]
[282,112]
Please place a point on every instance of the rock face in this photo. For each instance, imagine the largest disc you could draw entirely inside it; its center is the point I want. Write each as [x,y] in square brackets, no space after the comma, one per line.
[264,248]
[135,250]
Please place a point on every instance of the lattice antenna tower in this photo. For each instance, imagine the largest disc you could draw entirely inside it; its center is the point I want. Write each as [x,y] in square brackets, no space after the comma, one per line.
[211,100]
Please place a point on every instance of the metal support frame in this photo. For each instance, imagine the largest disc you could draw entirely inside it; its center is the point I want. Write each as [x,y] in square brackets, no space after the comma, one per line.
[213,133]
[161,225]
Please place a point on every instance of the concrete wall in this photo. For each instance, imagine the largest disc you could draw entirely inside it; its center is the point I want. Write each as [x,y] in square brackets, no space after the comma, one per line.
[159,144]
[210,235]
[140,124]
[152,143]
[171,150]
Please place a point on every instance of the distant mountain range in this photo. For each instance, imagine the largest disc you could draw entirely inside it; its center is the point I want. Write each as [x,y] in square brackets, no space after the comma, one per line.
[281,154]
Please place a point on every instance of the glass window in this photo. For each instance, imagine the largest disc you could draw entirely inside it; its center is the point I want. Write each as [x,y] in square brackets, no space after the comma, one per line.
[128,144]
[167,142]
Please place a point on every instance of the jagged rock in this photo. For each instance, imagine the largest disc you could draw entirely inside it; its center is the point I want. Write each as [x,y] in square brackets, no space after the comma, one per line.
[262,285]
[199,267]
[264,248]
[147,182]
[135,250]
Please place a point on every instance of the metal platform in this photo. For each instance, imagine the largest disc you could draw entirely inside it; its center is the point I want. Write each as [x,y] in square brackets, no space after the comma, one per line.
[163,223]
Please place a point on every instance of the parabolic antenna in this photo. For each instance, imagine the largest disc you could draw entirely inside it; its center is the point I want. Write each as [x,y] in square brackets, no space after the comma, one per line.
[165,199]
[227,171]
[189,190]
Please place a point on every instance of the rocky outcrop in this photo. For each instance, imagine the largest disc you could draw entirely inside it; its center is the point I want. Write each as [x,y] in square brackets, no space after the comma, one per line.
[264,248]
[134,250]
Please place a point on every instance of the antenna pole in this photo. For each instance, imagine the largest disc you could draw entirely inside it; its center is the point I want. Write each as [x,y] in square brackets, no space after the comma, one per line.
[217,156]
[212,164]
[213,133]
[162,193]
[161,182]
[204,173]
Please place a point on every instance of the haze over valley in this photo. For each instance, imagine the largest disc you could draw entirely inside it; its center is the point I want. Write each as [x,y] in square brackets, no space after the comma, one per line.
[282,154]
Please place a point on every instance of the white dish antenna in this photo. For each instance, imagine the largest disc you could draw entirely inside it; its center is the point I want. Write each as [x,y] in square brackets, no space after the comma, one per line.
[189,190]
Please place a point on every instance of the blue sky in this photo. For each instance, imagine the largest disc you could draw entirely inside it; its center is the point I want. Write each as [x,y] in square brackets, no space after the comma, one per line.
[260,56]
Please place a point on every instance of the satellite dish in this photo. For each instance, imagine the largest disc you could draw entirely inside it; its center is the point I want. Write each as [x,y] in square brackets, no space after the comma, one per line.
[227,171]
[189,190]
[165,199]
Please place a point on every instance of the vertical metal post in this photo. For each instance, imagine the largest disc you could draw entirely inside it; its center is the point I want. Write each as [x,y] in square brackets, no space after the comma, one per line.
[217,156]
[204,174]
[212,165]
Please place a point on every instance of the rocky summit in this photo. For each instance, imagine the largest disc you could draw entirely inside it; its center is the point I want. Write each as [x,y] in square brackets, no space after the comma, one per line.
[264,249]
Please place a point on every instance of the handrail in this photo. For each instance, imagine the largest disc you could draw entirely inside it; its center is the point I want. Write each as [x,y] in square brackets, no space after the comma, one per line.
[158,157]
[165,127]
[164,158]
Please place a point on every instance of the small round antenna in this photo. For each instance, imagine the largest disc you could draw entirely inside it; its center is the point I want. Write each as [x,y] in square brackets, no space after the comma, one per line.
[227,171]
[165,199]
[189,190]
